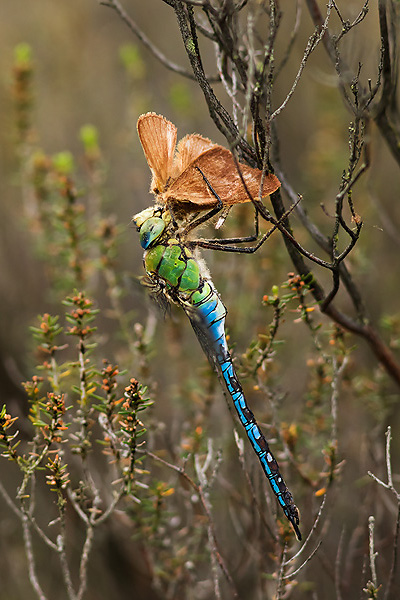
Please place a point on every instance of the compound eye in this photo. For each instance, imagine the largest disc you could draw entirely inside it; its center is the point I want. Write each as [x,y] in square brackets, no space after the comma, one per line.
[150,231]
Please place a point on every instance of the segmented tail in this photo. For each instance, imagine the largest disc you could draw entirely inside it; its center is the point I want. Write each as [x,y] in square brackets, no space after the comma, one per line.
[207,316]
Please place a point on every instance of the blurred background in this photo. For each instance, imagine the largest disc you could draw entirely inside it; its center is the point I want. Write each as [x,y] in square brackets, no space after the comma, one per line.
[89,69]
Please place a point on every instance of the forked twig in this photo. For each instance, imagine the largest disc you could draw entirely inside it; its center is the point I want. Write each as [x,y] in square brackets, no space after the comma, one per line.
[313,42]
[389,486]
[199,491]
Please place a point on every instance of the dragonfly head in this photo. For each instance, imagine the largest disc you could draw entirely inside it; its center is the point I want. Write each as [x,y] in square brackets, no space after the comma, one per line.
[151,223]
[150,231]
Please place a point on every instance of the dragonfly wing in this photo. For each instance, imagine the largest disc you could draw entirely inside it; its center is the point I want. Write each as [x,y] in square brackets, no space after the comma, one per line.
[219,168]
[207,316]
[200,329]
[158,138]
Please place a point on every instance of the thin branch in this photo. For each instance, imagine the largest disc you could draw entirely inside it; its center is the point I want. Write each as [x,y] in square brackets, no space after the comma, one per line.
[10,503]
[339,567]
[279,585]
[77,508]
[293,35]
[201,474]
[372,553]
[337,374]
[199,492]
[108,512]
[314,527]
[119,9]
[389,485]
[313,42]
[64,564]
[87,546]
[42,534]
[217,111]
[309,557]
[388,591]
[31,559]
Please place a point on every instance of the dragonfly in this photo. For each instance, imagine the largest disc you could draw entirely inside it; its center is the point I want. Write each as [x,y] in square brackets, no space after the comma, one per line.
[174,274]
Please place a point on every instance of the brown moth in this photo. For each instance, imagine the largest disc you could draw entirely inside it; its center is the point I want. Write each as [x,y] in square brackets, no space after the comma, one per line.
[176,178]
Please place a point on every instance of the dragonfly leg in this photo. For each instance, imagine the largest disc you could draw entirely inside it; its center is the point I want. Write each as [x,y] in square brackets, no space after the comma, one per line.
[224,245]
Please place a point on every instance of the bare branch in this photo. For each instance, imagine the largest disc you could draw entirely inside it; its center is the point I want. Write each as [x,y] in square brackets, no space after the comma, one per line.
[119,9]
[389,588]
[31,559]
[313,42]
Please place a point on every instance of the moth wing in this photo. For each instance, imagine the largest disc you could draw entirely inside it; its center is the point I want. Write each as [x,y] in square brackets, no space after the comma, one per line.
[188,150]
[158,138]
[190,189]
[219,168]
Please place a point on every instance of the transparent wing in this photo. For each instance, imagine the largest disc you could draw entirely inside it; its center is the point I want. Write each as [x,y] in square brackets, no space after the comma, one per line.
[157,294]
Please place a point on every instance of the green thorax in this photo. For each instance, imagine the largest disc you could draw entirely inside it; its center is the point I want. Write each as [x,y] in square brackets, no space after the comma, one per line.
[164,256]
[174,264]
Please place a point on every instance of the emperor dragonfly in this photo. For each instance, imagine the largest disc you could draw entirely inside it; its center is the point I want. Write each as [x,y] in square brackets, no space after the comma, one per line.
[174,273]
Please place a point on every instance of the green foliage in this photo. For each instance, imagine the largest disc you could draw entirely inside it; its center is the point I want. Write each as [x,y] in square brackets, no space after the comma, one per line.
[22,91]
[63,163]
[132,60]
[90,139]
[23,55]
[7,439]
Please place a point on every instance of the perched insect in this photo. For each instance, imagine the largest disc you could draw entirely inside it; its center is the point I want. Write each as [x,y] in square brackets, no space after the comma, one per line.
[196,174]
[174,274]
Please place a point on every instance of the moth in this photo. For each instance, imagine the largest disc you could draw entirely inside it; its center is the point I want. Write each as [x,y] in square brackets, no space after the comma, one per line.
[181,172]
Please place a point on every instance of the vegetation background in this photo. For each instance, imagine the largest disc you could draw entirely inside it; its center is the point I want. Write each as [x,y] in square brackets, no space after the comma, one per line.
[328,399]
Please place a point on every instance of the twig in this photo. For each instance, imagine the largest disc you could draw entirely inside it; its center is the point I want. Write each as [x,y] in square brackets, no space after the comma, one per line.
[293,35]
[339,567]
[388,591]
[337,373]
[87,546]
[389,485]
[200,493]
[42,534]
[314,527]
[119,9]
[313,42]
[10,503]
[372,553]
[201,474]
[218,113]
[309,557]
[279,586]
[31,559]
[64,563]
